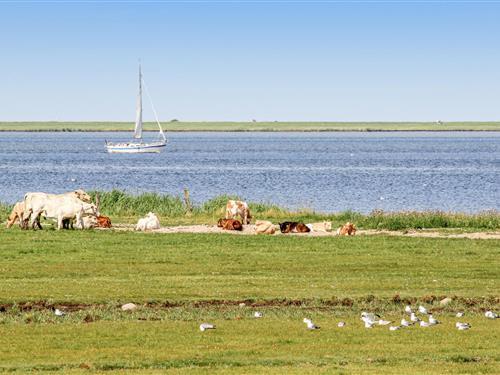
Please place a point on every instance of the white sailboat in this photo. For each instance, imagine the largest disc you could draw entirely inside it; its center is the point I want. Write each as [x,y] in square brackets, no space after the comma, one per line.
[138,145]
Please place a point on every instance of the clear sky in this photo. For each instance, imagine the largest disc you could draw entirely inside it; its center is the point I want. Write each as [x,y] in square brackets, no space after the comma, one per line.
[320,61]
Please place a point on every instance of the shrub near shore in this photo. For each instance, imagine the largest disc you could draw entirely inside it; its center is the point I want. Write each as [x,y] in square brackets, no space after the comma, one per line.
[124,207]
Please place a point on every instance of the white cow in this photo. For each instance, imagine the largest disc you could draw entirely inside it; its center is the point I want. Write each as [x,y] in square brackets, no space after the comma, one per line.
[34,203]
[58,207]
[148,223]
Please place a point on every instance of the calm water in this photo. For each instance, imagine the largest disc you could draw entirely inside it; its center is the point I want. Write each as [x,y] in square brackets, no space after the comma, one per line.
[325,171]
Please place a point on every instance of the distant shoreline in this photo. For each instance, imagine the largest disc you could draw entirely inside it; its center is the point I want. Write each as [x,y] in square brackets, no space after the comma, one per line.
[177,126]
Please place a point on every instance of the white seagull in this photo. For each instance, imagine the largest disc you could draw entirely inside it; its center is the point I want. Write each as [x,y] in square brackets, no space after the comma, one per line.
[422,310]
[406,323]
[370,316]
[459,314]
[368,322]
[491,315]
[424,324]
[258,314]
[205,326]
[341,324]
[310,324]
[394,328]
[432,320]
[408,309]
[381,322]
[414,318]
[59,312]
[462,326]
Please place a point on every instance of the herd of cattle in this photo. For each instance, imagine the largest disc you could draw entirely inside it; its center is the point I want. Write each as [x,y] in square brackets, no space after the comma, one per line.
[75,209]
[238,208]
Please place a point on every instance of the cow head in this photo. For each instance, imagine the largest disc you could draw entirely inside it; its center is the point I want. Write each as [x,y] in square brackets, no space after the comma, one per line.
[82,195]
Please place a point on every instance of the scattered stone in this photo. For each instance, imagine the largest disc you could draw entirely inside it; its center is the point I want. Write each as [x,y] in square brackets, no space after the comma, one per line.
[129,307]
[445,301]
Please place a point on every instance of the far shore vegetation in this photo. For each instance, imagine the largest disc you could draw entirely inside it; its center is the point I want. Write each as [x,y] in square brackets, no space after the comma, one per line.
[174,210]
[271,126]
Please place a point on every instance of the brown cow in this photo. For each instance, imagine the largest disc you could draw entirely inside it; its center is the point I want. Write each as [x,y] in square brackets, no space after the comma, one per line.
[293,227]
[103,222]
[348,229]
[238,208]
[230,224]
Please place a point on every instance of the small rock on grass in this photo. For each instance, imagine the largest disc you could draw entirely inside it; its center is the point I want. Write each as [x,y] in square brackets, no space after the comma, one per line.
[129,307]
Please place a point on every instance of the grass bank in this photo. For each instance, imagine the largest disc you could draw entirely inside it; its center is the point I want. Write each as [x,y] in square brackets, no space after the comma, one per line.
[103,266]
[253,126]
[172,210]
[181,280]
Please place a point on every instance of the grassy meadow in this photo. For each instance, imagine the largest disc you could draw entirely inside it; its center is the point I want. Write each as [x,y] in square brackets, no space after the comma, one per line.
[181,280]
[252,126]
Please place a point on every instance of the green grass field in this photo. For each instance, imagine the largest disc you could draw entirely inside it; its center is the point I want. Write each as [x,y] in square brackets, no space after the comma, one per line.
[181,280]
[252,126]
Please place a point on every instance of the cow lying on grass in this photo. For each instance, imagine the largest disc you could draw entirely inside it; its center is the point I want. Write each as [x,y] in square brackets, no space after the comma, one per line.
[230,224]
[148,223]
[238,208]
[348,229]
[293,227]
[264,227]
[324,226]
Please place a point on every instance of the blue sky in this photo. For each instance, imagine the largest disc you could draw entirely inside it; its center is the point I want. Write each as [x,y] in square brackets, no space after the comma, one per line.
[338,61]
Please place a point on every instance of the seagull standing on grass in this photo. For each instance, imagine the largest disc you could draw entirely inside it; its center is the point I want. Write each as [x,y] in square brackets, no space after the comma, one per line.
[258,314]
[406,323]
[462,326]
[422,310]
[310,325]
[205,326]
[414,318]
[491,315]
[341,324]
[408,309]
[394,328]
[424,324]
[459,314]
[432,320]
[59,312]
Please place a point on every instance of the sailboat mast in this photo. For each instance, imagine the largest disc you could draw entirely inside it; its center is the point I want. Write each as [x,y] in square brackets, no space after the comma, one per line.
[138,117]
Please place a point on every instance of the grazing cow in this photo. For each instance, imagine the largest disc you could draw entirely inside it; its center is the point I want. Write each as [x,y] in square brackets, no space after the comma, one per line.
[293,227]
[238,208]
[62,208]
[35,203]
[324,226]
[103,222]
[16,214]
[149,222]
[264,227]
[229,224]
[348,229]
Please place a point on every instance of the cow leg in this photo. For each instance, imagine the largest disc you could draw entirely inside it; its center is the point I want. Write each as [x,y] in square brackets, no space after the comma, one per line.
[60,224]
[34,218]
[38,224]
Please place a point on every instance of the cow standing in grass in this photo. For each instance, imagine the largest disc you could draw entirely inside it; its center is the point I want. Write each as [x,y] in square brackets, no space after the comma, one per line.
[238,208]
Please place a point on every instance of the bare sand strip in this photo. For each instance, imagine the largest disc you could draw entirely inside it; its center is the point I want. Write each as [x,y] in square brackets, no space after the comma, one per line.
[249,230]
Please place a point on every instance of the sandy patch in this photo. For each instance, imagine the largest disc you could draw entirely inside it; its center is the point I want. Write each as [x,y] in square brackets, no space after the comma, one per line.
[248,230]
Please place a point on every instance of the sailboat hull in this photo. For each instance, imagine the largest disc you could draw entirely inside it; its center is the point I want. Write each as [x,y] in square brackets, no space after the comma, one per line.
[135,148]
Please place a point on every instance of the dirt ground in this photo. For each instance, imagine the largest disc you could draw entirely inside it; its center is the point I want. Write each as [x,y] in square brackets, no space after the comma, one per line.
[249,230]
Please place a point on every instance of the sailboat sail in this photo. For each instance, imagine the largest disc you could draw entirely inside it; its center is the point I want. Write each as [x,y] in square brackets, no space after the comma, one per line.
[138,145]
[138,114]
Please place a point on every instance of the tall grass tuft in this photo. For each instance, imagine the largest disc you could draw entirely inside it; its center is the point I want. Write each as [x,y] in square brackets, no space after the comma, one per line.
[5,210]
